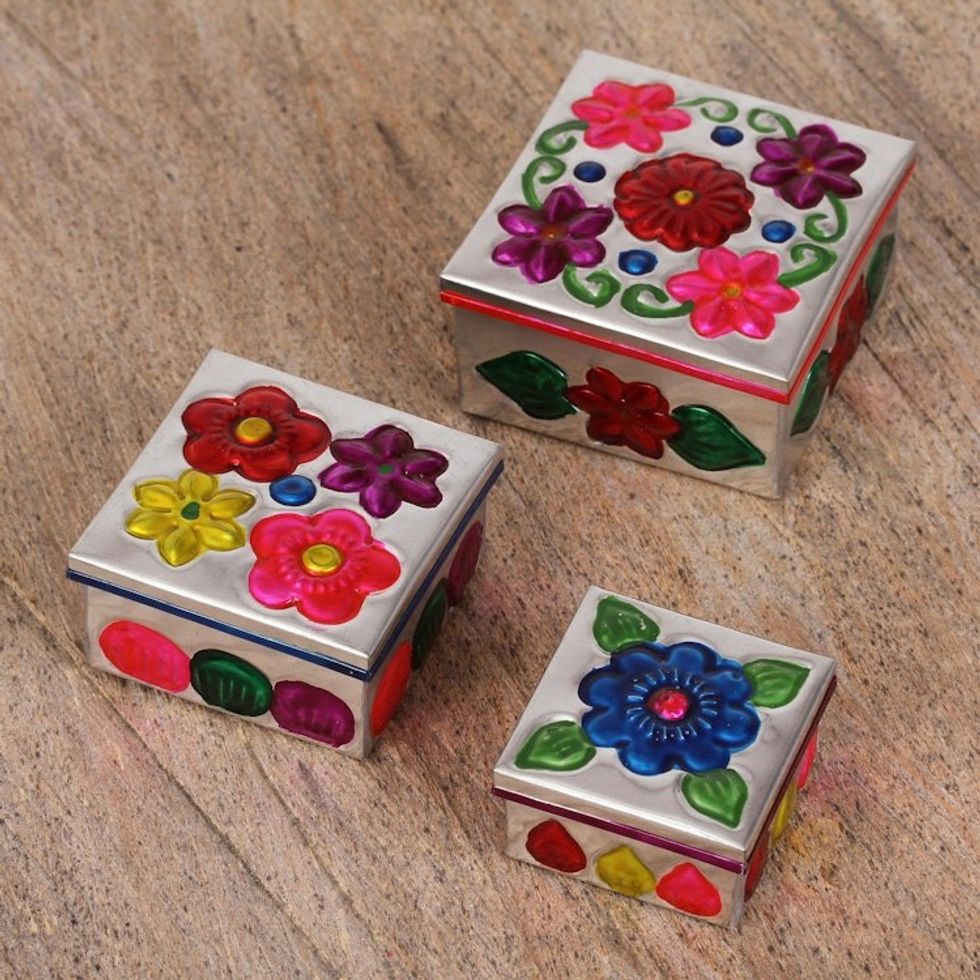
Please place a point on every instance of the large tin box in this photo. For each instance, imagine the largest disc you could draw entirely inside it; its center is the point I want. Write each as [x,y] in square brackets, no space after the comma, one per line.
[676,272]
[660,756]
[284,552]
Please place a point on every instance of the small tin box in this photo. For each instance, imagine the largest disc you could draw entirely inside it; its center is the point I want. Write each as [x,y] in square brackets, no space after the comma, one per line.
[676,272]
[660,756]
[284,552]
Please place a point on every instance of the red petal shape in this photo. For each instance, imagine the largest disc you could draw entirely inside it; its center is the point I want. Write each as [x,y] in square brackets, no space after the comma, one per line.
[550,844]
[391,688]
[687,889]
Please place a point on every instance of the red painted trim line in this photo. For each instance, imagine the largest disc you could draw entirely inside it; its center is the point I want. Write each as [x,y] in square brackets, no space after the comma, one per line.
[754,388]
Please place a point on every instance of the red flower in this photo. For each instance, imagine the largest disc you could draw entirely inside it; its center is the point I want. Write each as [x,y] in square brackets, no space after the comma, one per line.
[261,433]
[852,318]
[391,688]
[734,293]
[683,201]
[325,564]
[632,114]
[624,413]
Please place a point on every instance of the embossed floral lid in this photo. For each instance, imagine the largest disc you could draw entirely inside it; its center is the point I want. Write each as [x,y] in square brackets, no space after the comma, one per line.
[708,230]
[649,722]
[303,517]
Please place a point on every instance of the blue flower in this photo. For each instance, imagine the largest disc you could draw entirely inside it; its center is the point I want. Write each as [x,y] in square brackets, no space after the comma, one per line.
[669,707]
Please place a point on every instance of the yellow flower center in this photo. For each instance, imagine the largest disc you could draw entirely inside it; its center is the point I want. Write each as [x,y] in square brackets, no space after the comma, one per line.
[322,559]
[253,430]
[551,233]
[806,166]
[683,197]
[731,290]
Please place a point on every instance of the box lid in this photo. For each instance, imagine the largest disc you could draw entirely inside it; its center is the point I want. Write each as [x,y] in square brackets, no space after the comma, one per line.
[686,738]
[628,186]
[393,556]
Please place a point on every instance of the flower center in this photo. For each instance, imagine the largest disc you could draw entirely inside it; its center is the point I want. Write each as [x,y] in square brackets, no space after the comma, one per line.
[731,290]
[669,704]
[385,468]
[551,233]
[683,197]
[322,559]
[191,511]
[253,430]
[806,166]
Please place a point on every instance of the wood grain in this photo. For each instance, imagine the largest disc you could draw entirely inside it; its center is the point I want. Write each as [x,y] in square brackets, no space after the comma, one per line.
[285,181]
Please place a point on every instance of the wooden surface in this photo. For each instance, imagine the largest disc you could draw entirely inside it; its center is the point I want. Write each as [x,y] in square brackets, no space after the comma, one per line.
[285,181]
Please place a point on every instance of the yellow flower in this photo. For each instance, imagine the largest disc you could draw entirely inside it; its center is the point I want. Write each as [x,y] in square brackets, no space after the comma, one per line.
[188,516]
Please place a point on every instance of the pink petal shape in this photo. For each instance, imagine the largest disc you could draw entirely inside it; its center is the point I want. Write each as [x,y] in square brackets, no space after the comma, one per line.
[329,604]
[274,581]
[688,286]
[713,318]
[375,568]
[721,264]
[758,268]
[656,96]
[344,529]
[672,119]
[601,136]
[773,297]
[280,534]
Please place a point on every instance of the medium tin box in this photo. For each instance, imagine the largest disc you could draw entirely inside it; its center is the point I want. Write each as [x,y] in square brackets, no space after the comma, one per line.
[660,756]
[676,272]
[284,552]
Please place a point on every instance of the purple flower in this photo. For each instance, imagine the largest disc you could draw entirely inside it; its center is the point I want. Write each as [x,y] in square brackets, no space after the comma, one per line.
[387,470]
[544,240]
[805,168]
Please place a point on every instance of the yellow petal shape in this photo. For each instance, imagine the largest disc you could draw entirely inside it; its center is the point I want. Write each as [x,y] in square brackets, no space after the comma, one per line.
[786,807]
[226,504]
[625,873]
[220,535]
[150,524]
[195,485]
[179,546]
[158,495]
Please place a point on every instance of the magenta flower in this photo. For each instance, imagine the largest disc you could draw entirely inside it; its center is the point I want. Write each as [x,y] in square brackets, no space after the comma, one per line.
[803,169]
[386,469]
[544,240]
[733,293]
[632,114]
[324,564]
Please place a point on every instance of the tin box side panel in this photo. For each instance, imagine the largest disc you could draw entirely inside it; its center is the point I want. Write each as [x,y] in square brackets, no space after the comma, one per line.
[629,867]
[158,649]
[521,376]
[418,636]
[869,285]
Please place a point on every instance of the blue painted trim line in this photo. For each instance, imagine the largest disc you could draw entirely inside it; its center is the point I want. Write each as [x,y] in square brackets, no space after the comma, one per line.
[320,659]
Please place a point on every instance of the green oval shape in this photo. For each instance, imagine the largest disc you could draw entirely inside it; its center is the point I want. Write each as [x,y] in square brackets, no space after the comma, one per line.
[775,682]
[429,624]
[226,681]
[618,624]
[560,746]
[719,794]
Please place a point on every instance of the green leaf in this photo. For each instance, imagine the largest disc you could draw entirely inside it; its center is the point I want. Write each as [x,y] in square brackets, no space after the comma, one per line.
[709,441]
[878,270]
[814,389]
[619,624]
[604,285]
[775,682]
[719,794]
[535,383]
[560,746]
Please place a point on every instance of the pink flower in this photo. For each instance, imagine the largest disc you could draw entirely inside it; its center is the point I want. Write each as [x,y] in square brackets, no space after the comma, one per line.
[325,564]
[632,114]
[734,293]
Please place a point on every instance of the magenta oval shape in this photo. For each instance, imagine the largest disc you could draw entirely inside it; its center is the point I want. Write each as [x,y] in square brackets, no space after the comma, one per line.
[310,711]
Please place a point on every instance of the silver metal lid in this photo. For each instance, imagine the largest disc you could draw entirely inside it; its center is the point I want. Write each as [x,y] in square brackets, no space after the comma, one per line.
[215,585]
[835,230]
[598,784]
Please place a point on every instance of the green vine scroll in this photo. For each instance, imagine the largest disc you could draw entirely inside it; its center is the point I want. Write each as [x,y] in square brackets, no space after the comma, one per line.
[558,139]
[821,260]
[725,112]
[757,120]
[604,285]
[635,301]
[541,170]
[814,228]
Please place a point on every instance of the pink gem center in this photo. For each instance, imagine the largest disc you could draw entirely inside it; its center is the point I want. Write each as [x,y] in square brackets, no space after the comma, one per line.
[669,704]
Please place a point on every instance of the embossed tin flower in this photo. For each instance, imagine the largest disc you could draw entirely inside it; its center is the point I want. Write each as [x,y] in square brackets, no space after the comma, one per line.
[188,516]
[683,201]
[324,564]
[849,327]
[636,115]
[387,470]
[564,230]
[670,707]
[624,413]
[804,168]
[733,293]
[260,433]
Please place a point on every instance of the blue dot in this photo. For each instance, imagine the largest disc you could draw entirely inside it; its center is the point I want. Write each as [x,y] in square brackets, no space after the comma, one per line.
[292,491]
[727,135]
[637,261]
[778,231]
[589,171]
